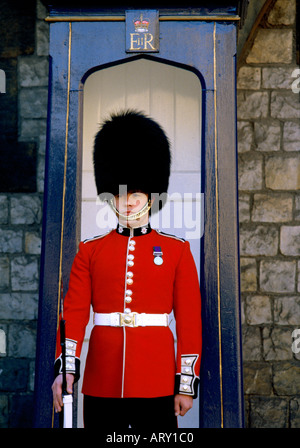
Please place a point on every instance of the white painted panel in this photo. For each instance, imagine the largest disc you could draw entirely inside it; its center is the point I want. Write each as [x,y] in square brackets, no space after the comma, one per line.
[89,190]
[187,122]
[172,96]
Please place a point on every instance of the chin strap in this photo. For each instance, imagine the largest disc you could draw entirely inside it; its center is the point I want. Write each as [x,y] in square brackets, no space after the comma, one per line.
[135,216]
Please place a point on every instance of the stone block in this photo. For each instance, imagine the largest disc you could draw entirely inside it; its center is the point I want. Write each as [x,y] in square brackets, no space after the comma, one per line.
[41,10]
[291,136]
[42,38]
[261,240]
[19,306]
[297,207]
[24,274]
[283,13]
[272,208]
[42,145]
[244,207]
[4,273]
[3,209]
[268,412]
[41,174]
[33,102]
[11,241]
[277,276]
[282,173]
[26,209]
[250,172]
[245,136]
[267,136]
[287,310]
[257,378]
[252,105]
[295,412]
[285,105]
[32,128]
[272,46]
[251,344]
[32,243]
[249,78]
[277,344]
[258,310]
[290,240]
[248,270]
[33,71]
[286,378]
[22,340]
[277,77]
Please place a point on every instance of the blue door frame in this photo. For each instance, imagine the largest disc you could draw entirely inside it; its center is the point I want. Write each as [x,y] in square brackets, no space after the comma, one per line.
[206,45]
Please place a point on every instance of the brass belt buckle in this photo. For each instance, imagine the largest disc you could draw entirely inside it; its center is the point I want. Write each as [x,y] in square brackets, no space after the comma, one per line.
[128,320]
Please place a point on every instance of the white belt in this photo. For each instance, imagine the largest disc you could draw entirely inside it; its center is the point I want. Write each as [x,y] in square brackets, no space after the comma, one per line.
[131,319]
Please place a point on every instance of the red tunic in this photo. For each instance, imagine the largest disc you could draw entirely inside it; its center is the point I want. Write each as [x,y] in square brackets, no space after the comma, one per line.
[139,361]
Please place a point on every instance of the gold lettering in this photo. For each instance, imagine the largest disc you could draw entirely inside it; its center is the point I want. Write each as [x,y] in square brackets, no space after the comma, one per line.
[134,41]
[141,42]
[148,41]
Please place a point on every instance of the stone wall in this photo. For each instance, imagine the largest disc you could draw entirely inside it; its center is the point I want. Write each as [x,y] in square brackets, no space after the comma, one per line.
[269,182]
[20,234]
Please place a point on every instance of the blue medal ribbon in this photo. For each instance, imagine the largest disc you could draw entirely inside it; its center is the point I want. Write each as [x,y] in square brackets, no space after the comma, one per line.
[157,253]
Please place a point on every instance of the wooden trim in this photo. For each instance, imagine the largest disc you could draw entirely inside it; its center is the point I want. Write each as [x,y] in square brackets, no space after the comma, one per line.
[174,18]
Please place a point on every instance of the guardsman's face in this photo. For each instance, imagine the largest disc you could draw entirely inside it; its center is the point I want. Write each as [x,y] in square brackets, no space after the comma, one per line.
[129,204]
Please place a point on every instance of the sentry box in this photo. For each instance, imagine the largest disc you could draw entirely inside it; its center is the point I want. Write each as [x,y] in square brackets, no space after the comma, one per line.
[178,66]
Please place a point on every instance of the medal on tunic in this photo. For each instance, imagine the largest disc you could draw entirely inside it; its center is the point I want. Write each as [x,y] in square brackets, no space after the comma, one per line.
[157,253]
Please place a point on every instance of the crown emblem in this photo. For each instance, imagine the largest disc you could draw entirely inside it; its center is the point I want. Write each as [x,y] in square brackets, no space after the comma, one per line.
[141,25]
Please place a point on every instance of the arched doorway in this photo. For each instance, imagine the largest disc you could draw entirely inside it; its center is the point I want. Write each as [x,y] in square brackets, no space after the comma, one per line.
[173,96]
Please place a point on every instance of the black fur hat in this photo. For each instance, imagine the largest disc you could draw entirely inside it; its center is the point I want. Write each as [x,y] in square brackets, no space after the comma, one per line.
[131,149]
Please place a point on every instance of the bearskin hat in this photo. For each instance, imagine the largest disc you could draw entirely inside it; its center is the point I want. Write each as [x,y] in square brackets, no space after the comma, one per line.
[131,149]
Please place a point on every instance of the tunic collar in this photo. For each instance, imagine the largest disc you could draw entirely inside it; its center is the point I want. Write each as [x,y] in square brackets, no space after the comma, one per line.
[138,231]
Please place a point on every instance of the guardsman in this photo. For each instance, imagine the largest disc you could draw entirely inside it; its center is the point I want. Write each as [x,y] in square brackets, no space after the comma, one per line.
[133,277]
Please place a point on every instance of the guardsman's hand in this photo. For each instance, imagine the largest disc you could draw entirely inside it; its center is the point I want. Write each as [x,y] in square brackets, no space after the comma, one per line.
[182,404]
[57,390]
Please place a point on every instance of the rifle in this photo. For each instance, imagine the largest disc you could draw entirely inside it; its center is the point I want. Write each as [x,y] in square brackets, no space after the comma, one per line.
[67,420]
